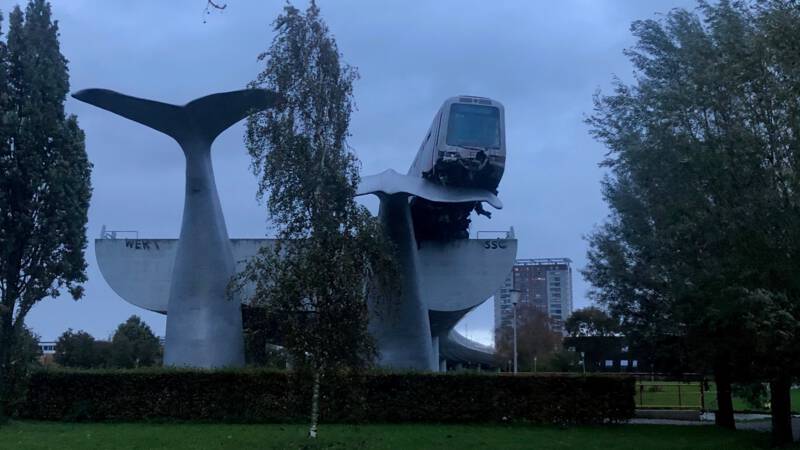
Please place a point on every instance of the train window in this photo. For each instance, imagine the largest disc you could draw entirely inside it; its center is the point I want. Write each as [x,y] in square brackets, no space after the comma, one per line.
[473,126]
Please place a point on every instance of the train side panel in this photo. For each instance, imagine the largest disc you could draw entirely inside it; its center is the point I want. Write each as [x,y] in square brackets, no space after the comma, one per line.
[424,161]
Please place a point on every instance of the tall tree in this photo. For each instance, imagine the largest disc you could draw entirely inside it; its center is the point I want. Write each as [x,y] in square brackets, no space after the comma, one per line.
[316,281]
[78,349]
[134,345]
[537,341]
[704,227]
[44,179]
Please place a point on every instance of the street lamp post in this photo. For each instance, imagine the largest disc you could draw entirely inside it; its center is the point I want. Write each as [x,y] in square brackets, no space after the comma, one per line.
[583,362]
[515,293]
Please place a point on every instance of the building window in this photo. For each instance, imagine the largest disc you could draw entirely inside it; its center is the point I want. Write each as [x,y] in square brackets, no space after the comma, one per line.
[634,363]
[623,363]
[609,363]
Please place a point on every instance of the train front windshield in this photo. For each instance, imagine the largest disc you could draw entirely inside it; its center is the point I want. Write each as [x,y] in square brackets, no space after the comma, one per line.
[473,126]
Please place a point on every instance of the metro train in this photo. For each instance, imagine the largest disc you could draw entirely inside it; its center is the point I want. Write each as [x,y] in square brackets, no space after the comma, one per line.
[464,147]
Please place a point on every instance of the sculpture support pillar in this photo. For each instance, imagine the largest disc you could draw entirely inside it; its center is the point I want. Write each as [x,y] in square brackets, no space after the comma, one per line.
[435,352]
[204,328]
[400,323]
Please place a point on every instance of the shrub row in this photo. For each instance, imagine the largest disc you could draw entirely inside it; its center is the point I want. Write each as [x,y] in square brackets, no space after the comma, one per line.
[262,396]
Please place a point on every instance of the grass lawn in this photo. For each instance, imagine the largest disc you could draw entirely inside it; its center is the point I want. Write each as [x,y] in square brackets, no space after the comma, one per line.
[674,394]
[87,436]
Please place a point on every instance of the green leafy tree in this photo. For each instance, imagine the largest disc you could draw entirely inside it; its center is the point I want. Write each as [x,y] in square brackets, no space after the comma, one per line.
[134,345]
[331,253]
[564,360]
[24,358]
[591,321]
[704,227]
[28,351]
[78,349]
[103,354]
[44,179]
[537,341]
[260,347]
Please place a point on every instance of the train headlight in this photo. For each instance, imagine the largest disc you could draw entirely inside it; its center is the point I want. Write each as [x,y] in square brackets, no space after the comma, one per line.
[450,156]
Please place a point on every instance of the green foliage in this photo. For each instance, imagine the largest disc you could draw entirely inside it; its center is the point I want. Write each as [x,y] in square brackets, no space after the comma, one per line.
[260,338]
[79,349]
[562,361]
[27,352]
[704,227]
[537,342]
[134,345]
[314,283]
[704,232]
[754,395]
[591,321]
[23,359]
[316,280]
[44,178]
[265,396]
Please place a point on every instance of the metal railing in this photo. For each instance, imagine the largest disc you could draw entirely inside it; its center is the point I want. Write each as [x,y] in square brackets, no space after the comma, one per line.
[492,234]
[114,234]
[671,395]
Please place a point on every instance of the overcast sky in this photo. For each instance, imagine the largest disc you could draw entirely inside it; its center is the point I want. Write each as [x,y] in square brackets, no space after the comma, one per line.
[542,60]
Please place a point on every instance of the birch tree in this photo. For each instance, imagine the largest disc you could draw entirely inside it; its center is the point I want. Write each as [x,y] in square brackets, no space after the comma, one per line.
[331,252]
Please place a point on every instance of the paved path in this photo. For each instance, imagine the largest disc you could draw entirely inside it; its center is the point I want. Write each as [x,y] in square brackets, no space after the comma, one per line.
[754,422]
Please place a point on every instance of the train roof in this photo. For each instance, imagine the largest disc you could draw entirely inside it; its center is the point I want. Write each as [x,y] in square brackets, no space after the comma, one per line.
[473,99]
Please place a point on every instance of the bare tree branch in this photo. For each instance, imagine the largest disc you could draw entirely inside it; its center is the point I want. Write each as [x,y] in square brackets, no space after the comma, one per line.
[214,5]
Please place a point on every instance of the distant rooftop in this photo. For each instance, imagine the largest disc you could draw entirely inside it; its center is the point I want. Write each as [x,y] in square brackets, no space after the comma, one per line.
[542,261]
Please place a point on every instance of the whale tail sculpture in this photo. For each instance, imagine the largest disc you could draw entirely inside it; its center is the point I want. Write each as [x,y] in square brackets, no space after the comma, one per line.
[204,329]
[402,327]
[204,118]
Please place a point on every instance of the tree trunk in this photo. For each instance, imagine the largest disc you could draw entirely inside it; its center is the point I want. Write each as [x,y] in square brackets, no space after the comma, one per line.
[724,415]
[312,431]
[781,408]
[9,332]
[7,344]
[4,377]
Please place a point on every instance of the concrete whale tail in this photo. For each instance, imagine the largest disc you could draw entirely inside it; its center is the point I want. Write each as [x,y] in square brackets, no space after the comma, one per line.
[204,118]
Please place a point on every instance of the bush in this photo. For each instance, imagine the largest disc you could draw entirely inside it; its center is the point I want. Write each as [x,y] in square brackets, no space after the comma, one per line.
[266,396]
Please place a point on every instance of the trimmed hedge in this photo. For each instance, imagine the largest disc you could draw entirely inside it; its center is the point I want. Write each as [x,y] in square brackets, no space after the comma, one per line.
[267,396]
